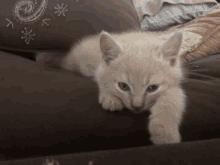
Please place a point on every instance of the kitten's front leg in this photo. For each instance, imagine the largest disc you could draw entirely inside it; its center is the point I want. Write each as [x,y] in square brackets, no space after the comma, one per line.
[164,133]
[110,102]
[165,118]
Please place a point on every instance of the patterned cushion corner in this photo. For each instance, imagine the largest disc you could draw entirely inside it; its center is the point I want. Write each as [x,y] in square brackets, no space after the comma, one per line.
[203,33]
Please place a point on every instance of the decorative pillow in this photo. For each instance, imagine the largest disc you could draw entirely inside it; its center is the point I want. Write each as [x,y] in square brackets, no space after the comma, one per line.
[34,25]
[161,14]
[201,35]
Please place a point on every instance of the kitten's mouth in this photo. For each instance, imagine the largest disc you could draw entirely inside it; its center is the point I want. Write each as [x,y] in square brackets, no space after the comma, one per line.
[142,110]
[137,112]
[146,108]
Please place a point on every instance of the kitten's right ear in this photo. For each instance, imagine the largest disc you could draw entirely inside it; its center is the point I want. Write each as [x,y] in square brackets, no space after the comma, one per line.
[110,49]
[171,49]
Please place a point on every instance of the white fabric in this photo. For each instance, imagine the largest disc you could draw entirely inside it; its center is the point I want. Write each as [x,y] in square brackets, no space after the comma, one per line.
[174,14]
[151,7]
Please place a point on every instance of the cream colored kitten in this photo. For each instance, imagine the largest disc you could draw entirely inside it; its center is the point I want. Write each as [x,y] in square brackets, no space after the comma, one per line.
[137,70]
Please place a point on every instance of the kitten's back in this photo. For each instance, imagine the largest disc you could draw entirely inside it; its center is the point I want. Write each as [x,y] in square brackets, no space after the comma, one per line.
[85,55]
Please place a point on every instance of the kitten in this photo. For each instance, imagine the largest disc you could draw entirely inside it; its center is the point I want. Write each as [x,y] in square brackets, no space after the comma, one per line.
[137,70]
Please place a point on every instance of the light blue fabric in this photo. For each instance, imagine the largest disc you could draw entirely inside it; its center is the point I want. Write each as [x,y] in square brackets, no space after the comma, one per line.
[171,15]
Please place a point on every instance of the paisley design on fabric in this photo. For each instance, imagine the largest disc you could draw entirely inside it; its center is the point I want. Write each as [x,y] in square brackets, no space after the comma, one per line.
[28,11]
[44,22]
[52,162]
[9,23]
[61,9]
[27,36]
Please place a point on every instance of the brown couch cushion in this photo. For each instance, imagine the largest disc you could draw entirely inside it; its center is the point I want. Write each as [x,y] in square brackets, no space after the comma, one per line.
[50,24]
[55,112]
[199,152]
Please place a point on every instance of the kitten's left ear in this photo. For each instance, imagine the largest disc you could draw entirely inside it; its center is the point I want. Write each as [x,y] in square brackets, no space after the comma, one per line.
[110,49]
[171,49]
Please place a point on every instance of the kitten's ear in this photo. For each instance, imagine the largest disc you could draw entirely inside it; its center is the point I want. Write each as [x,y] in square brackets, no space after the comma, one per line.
[110,49]
[171,49]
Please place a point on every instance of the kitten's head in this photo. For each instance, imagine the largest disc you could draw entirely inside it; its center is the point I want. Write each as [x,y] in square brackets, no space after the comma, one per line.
[138,72]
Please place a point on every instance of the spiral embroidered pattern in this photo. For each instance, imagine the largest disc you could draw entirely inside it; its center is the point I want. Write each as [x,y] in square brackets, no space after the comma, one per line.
[27,11]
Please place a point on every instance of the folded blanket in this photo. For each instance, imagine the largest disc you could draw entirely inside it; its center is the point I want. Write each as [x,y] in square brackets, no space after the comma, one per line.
[152,7]
[174,14]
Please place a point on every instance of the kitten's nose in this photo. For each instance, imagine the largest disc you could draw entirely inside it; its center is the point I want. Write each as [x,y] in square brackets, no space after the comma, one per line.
[137,103]
[137,107]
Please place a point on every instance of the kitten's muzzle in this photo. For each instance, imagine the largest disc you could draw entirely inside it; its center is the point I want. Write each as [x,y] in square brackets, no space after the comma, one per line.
[137,103]
[137,107]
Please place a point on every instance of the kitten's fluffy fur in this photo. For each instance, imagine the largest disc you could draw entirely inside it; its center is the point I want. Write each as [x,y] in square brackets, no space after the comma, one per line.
[137,70]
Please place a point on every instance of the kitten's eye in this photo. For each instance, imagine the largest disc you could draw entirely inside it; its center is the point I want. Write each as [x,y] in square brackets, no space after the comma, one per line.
[152,88]
[123,86]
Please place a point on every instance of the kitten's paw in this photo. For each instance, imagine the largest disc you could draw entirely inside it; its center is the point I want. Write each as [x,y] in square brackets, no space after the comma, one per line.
[110,103]
[164,135]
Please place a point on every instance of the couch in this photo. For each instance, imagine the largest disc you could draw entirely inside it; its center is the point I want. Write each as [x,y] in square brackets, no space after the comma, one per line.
[52,117]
